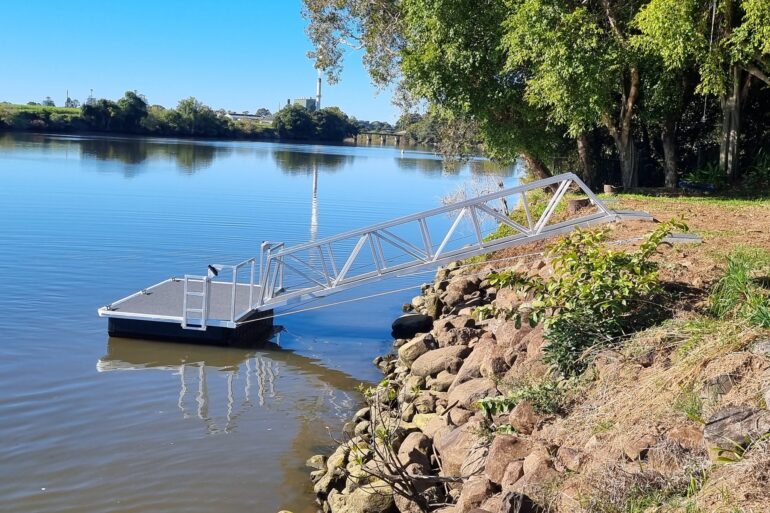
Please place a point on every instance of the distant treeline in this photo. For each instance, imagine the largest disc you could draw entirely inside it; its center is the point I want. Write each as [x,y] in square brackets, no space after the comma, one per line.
[132,114]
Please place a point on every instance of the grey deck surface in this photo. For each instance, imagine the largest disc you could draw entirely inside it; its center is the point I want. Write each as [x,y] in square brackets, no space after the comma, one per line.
[166,299]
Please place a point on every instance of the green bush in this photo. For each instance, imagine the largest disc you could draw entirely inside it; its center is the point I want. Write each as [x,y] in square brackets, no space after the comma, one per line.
[742,292]
[594,296]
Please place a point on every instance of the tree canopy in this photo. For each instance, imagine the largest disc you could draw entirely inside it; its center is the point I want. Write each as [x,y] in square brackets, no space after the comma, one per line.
[598,83]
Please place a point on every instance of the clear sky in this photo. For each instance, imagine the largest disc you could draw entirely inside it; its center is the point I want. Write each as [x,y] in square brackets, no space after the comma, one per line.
[233,54]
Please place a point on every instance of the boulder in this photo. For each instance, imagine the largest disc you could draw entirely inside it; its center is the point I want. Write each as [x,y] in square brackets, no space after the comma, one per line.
[376,497]
[475,491]
[418,302]
[425,403]
[471,368]
[513,472]
[451,299]
[534,341]
[458,336]
[637,448]
[735,426]
[416,448]
[688,436]
[433,305]
[570,459]
[464,285]
[441,382]
[504,450]
[421,420]
[515,502]
[407,326]
[459,416]
[416,347]
[523,418]
[506,297]
[508,335]
[437,360]
[466,394]
[317,462]
[454,446]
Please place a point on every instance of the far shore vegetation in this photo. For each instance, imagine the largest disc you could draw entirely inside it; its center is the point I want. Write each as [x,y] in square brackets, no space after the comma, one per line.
[133,114]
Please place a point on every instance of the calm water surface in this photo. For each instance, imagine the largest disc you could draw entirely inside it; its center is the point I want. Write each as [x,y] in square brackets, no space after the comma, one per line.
[93,424]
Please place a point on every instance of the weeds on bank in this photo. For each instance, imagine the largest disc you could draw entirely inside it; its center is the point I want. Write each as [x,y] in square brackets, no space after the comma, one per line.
[743,290]
[546,397]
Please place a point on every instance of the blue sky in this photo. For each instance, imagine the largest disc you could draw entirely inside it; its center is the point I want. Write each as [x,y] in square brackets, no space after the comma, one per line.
[233,54]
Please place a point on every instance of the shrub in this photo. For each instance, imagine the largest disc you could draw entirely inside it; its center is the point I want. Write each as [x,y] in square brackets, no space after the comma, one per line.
[594,296]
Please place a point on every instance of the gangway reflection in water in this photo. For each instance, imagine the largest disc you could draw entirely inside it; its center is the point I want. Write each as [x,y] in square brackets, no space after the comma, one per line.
[251,377]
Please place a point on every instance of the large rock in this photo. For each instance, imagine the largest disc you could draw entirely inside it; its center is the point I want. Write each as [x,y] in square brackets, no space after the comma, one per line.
[441,382]
[504,450]
[466,394]
[464,285]
[508,335]
[437,360]
[471,368]
[688,436]
[409,325]
[416,448]
[735,426]
[454,447]
[433,305]
[458,336]
[416,347]
[523,418]
[475,491]
[373,498]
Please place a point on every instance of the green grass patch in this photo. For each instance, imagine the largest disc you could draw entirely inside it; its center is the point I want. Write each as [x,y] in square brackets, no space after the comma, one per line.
[744,290]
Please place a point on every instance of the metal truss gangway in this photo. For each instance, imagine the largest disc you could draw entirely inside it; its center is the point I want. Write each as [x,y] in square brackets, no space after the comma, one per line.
[229,297]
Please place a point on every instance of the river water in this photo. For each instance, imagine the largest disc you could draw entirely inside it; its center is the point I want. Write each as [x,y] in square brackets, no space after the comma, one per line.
[90,424]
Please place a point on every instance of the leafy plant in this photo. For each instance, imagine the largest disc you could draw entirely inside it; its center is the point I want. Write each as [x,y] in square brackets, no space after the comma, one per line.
[594,296]
[509,279]
[740,292]
[545,396]
[710,174]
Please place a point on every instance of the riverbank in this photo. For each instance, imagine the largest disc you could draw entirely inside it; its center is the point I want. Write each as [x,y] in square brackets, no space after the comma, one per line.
[672,416]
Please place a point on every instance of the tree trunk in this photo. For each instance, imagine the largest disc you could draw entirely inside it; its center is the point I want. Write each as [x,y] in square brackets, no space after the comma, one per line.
[536,167]
[731,127]
[587,158]
[668,137]
[628,162]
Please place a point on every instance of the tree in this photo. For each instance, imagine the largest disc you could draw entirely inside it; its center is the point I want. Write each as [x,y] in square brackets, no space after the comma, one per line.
[262,112]
[48,102]
[294,122]
[331,124]
[726,41]
[133,109]
[447,52]
[101,114]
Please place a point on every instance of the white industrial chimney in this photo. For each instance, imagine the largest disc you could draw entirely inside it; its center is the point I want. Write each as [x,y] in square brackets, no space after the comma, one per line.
[318,93]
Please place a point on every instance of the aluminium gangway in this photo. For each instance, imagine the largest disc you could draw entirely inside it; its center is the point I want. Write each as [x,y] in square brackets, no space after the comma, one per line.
[212,308]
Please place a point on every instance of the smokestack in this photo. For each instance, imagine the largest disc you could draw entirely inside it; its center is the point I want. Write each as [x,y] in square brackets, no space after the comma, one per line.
[318,93]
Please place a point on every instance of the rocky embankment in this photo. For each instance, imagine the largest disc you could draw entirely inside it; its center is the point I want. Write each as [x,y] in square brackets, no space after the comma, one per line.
[422,443]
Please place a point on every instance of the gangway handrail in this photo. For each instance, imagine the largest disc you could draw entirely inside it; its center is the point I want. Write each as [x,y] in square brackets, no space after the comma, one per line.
[324,276]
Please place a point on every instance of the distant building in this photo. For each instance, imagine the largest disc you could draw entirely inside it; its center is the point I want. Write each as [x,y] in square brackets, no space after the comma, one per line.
[248,117]
[308,103]
[311,104]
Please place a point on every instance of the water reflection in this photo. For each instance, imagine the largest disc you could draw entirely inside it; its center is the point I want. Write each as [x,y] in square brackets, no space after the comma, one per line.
[294,162]
[188,156]
[251,378]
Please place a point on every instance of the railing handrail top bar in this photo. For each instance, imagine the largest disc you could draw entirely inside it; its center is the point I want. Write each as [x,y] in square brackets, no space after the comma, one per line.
[236,266]
[439,210]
